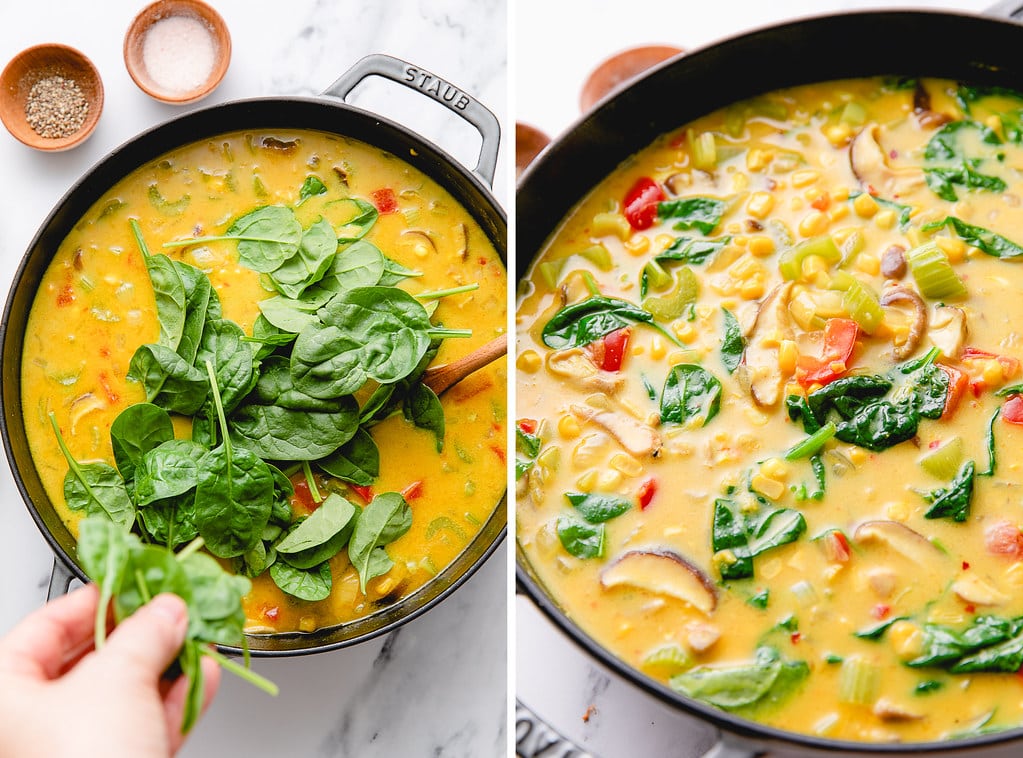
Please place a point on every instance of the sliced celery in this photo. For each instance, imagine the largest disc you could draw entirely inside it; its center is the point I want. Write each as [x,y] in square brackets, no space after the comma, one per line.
[854,114]
[933,273]
[611,224]
[669,660]
[705,154]
[599,256]
[550,272]
[858,681]
[863,306]
[673,305]
[657,277]
[943,462]
[790,262]
[852,246]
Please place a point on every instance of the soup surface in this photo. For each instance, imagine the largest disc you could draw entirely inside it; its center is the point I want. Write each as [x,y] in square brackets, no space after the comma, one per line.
[767,410]
[441,465]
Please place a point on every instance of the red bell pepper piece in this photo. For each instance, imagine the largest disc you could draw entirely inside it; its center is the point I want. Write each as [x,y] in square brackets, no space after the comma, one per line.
[646,492]
[641,203]
[609,352]
[839,342]
[1012,411]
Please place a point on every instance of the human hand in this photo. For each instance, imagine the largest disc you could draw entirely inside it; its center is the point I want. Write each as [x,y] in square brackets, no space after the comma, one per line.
[59,696]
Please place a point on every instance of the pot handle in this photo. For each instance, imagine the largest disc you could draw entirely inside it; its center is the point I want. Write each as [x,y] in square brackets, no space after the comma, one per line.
[430,85]
[1008,10]
[535,738]
[60,580]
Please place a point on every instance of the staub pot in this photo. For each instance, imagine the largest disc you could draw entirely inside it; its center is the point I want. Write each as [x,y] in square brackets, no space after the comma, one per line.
[328,113]
[983,50]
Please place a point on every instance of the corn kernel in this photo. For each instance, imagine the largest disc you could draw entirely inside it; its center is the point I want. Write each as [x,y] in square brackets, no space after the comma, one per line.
[663,241]
[897,511]
[813,224]
[885,219]
[839,236]
[657,348]
[994,123]
[812,265]
[758,159]
[821,280]
[760,204]
[769,488]
[529,361]
[906,639]
[992,373]
[733,228]
[838,211]
[787,356]
[740,182]
[792,388]
[813,194]
[745,268]
[755,417]
[857,455]
[838,134]
[740,240]
[637,350]
[638,244]
[797,204]
[307,624]
[804,178]
[775,468]
[864,205]
[868,264]
[686,332]
[752,289]
[761,245]
[611,224]
[568,426]
[954,248]
[626,464]
[609,479]
[963,209]
[587,482]
[840,195]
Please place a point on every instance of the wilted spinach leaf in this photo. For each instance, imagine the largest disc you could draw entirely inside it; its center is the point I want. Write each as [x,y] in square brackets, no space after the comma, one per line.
[690,392]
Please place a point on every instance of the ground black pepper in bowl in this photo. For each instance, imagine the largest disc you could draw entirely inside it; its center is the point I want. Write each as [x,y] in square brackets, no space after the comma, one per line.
[56,107]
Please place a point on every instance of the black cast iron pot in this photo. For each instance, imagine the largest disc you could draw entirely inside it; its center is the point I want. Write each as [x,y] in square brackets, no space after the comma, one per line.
[976,49]
[327,114]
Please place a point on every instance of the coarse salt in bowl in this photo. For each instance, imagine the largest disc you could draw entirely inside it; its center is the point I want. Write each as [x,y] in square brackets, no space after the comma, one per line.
[177,51]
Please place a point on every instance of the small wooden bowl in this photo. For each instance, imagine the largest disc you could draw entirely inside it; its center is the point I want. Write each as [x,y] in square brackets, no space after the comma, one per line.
[529,141]
[134,40]
[619,69]
[31,66]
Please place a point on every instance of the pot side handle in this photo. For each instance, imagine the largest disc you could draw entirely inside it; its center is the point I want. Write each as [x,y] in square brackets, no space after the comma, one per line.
[1009,10]
[60,580]
[451,97]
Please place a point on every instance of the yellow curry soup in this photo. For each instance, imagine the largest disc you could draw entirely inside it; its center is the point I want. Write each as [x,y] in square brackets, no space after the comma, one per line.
[95,307]
[767,410]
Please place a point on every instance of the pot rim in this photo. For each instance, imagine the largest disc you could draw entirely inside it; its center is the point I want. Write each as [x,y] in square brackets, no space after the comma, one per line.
[526,581]
[158,140]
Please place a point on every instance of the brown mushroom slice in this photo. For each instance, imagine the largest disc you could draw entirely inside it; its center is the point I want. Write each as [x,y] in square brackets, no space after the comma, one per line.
[760,361]
[976,591]
[918,323]
[869,164]
[948,330]
[637,438]
[900,538]
[417,237]
[663,572]
[575,365]
[888,710]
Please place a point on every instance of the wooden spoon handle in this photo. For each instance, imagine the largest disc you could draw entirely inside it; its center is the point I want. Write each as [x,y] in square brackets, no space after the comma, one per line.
[440,378]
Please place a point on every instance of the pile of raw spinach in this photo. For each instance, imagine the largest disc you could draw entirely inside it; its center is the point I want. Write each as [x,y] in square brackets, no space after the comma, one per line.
[268,406]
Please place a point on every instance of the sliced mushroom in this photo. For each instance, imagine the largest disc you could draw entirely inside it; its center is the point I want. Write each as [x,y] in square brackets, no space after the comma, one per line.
[900,538]
[972,589]
[869,163]
[948,330]
[925,116]
[418,237]
[888,710]
[760,362]
[663,572]
[918,324]
[637,438]
[575,365]
[893,262]
[701,636]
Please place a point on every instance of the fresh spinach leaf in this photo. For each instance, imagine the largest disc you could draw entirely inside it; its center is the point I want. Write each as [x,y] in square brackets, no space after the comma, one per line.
[760,599]
[164,206]
[394,273]
[959,169]
[423,408]
[166,471]
[690,392]
[587,321]
[306,584]
[692,249]
[768,678]
[989,439]
[351,228]
[988,644]
[700,213]
[746,536]
[331,517]
[138,429]
[361,264]
[223,345]
[356,461]
[384,520]
[876,632]
[316,253]
[104,550]
[596,508]
[732,343]
[170,522]
[267,237]
[168,380]
[953,501]
[581,539]
[311,187]
[983,239]
[95,488]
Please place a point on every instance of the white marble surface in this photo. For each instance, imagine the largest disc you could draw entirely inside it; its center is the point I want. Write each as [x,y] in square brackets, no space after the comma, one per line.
[553,677]
[437,687]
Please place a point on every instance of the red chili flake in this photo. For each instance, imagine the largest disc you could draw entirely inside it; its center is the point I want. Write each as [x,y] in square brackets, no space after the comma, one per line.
[499,452]
[590,710]
[528,425]
[966,565]
[104,352]
[933,445]
[880,610]
[893,154]
[482,261]
[971,608]
[385,200]
[821,203]
[271,612]
[976,387]
[795,637]
[104,381]
[66,296]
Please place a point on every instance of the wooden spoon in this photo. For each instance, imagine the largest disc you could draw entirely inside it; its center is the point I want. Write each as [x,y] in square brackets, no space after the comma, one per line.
[440,378]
